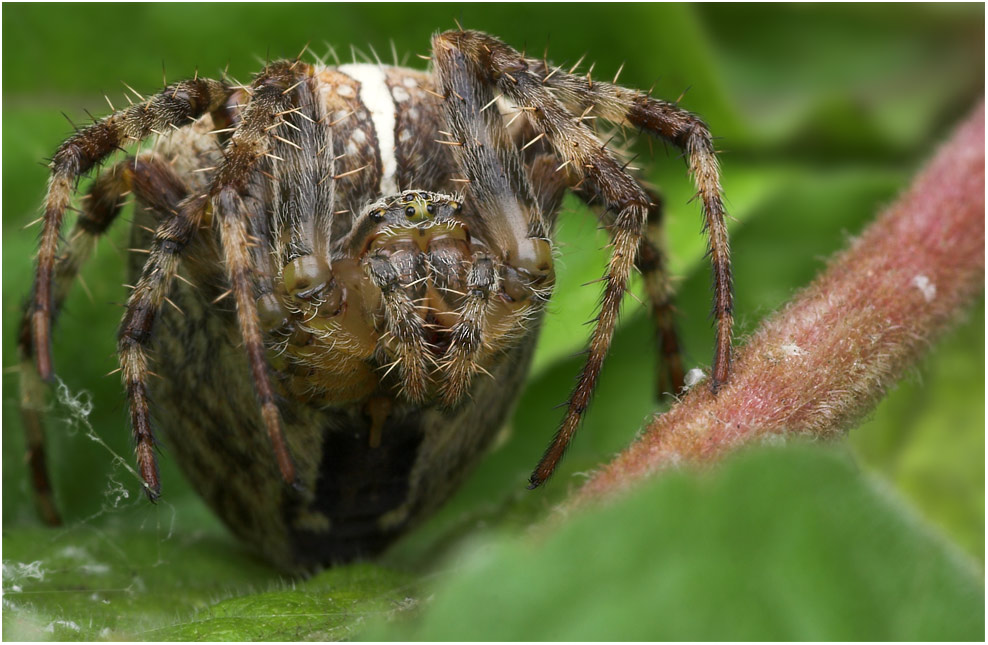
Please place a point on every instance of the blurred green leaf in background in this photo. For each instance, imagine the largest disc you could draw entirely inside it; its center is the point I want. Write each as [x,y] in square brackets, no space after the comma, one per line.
[824,112]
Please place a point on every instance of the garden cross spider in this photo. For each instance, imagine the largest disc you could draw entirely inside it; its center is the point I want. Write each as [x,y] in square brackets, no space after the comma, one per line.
[355,245]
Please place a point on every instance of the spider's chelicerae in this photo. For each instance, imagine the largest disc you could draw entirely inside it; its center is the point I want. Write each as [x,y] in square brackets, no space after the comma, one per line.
[344,274]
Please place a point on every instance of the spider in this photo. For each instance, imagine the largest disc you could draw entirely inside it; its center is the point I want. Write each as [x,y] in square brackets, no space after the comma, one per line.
[342,271]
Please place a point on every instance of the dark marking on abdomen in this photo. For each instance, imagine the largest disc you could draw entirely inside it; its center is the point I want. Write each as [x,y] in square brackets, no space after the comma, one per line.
[355,487]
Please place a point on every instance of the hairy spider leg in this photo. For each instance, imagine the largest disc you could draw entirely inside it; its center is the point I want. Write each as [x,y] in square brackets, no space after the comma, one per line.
[551,183]
[235,207]
[651,263]
[511,219]
[100,207]
[171,237]
[155,186]
[403,326]
[303,192]
[667,121]
[467,336]
[313,308]
[175,106]
[573,141]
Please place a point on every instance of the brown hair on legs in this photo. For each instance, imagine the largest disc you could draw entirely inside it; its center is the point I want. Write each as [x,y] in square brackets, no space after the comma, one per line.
[175,106]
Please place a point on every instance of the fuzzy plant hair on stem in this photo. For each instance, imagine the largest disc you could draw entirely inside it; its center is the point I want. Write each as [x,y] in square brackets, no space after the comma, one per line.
[827,358]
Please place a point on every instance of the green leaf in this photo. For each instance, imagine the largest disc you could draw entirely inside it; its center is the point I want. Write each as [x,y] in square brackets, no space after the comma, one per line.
[793,544]
[90,582]
[127,583]
[331,606]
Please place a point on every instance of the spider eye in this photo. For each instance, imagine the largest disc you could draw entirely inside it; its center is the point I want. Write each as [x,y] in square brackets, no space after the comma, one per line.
[410,211]
[457,206]
[409,197]
[377,216]
[431,209]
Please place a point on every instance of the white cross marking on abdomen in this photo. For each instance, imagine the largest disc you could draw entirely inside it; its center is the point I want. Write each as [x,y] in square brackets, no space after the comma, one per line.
[376,97]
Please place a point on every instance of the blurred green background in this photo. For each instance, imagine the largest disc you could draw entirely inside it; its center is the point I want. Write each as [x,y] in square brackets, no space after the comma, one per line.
[824,112]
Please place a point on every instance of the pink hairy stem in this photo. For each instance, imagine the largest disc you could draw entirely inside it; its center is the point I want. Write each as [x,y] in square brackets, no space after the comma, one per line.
[825,360]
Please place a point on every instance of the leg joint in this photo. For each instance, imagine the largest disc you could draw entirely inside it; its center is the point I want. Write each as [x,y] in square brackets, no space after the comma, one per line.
[83,150]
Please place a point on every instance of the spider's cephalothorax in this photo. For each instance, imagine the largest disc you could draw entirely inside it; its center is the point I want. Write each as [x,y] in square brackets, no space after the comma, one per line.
[414,287]
[363,255]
